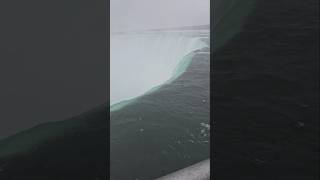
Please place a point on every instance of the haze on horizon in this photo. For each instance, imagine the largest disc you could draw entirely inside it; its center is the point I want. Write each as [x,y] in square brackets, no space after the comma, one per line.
[131,15]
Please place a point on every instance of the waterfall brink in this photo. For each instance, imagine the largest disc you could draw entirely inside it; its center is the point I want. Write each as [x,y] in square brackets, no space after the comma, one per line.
[142,61]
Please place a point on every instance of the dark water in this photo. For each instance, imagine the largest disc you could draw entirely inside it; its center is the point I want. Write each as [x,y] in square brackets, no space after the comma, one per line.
[165,130]
[266,95]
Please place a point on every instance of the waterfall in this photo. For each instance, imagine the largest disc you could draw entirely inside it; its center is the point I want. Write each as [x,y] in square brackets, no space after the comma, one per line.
[141,61]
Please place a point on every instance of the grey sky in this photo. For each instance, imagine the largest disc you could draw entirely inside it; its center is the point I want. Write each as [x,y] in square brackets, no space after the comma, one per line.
[149,14]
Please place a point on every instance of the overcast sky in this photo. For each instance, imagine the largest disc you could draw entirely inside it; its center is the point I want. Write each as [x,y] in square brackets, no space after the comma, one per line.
[150,14]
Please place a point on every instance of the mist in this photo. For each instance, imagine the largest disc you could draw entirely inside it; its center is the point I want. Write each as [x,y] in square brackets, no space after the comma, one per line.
[131,15]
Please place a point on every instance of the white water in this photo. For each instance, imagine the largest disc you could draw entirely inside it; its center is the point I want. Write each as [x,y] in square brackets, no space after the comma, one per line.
[141,61]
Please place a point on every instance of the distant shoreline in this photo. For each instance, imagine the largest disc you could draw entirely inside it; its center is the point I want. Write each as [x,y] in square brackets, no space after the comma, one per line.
[198,27]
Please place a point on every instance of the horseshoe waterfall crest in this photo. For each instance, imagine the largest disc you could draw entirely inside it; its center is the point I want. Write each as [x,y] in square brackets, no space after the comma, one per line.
[141,62]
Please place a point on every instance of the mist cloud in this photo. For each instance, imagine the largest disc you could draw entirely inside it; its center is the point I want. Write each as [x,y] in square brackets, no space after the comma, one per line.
[151,14]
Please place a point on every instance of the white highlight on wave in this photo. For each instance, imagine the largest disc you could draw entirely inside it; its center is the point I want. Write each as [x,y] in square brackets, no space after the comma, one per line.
[141,61]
